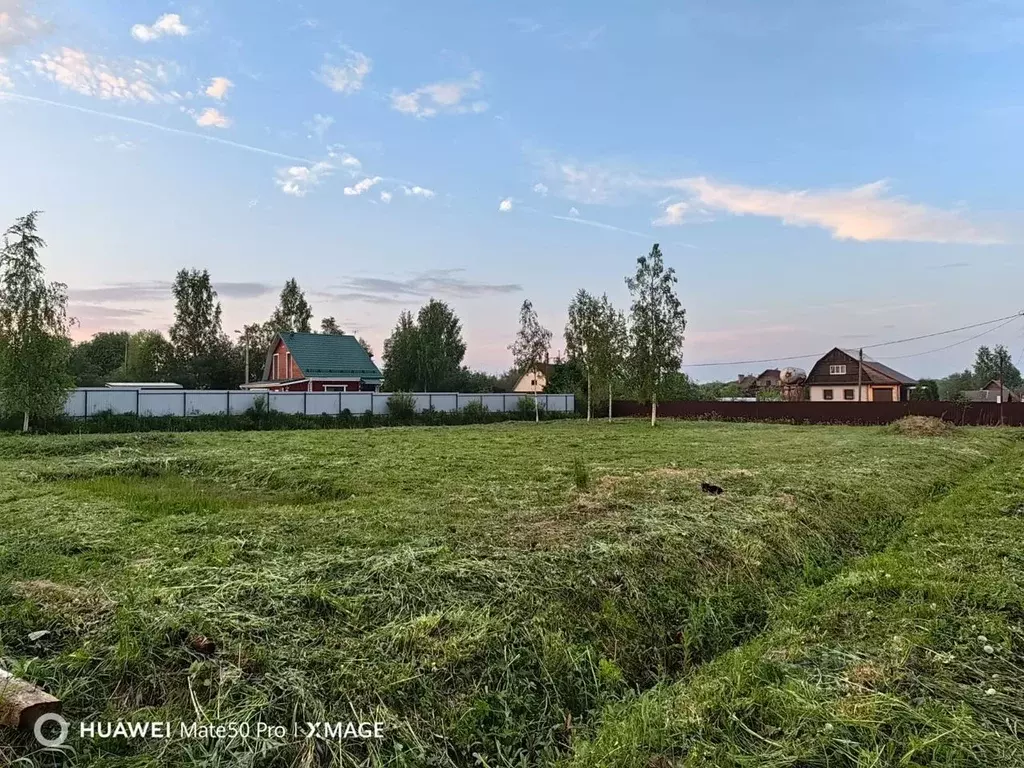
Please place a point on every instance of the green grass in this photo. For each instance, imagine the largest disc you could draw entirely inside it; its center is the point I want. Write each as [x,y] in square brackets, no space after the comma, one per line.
[912,657]
[492,593]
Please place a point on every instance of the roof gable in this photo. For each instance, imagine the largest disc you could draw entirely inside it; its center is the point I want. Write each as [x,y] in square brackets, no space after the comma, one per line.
[872,371]
[323,355]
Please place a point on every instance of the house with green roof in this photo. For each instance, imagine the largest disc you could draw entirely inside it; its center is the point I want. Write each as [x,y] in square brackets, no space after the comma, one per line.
[317,362]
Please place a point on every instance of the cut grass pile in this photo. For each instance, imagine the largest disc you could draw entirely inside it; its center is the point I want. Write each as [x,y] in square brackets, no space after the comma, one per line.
[922,426]
[912,657]
[486,592]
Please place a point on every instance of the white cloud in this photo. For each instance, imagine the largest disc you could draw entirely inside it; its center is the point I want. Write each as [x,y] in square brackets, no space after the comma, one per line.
[6,84]
[505,205]
[112,139]
[115,81]
[363,186]
[319,125]
[435,98]
[418,192]
[218,88]
[865,213]
[18,26]
[168,24]
[212,118]
[674,213]
[541,189]
[385,197]
[347,77]
[299,179]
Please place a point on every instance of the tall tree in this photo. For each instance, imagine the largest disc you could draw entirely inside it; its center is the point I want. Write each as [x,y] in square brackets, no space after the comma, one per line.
[993,364]
[530,349]
[254,339]
[196,334]
[100,359]
[439,346]
[34,343]
[657,323]
[293,312]
[400,358]
[150,357]
[582,336]
[612,343]
[425,354]
[330,327]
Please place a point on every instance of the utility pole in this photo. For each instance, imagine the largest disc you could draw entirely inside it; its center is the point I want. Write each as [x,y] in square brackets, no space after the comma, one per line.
[860,373]
[1001,394]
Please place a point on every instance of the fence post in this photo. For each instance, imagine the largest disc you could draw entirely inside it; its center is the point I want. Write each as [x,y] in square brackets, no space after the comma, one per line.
[86,414]
[229,402]
[184,400]
[305,407]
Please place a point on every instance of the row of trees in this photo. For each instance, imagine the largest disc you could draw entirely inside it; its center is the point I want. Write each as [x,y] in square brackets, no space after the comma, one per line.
[424,353]
[642,353]
[197,352]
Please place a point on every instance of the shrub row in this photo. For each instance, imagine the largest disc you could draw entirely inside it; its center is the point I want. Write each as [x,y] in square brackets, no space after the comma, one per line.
[401,407]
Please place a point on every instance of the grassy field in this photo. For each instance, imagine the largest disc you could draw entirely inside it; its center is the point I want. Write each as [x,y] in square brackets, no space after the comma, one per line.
[503,595]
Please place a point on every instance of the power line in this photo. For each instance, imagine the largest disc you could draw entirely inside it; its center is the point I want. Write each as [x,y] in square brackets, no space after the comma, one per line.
[1007,318]
[956,343]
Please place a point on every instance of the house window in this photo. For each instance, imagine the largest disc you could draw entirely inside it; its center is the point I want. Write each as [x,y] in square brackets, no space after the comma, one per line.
[837,370]
[826,394]
[847,394]
[288,365]
[274,366]
[533,382]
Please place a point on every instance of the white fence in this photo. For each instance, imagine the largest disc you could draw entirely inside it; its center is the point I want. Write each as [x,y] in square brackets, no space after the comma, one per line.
[82,403]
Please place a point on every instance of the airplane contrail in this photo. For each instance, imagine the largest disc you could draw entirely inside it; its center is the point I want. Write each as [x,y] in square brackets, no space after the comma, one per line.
[157,126]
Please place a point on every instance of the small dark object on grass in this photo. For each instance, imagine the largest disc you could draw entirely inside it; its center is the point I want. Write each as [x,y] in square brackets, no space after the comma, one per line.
[202,644]
[714,490]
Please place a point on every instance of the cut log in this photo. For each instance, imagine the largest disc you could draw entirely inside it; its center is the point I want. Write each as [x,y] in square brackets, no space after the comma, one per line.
[21,703]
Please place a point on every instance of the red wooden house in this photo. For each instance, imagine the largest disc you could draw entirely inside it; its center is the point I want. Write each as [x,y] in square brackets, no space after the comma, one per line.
[317,362]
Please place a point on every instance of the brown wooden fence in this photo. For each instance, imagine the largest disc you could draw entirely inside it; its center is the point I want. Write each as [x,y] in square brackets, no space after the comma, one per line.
[978,414]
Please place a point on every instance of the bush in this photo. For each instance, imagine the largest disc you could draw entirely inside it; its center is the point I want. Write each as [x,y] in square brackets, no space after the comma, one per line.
[527,407]
[475,411]
[402,407]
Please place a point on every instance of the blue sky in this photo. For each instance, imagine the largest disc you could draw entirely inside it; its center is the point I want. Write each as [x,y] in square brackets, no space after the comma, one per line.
[819,174]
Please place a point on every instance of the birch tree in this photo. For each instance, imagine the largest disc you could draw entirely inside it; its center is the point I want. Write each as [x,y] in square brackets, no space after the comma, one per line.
[583,336]
[530,349]
[612,346]
[657,323]
[34,345]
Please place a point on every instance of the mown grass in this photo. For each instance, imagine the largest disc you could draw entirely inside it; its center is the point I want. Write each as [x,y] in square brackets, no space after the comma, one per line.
[486,591]
[912,657]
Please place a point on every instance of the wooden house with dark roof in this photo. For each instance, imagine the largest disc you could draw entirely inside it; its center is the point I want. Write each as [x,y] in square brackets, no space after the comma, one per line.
[317,362]
[836,376]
